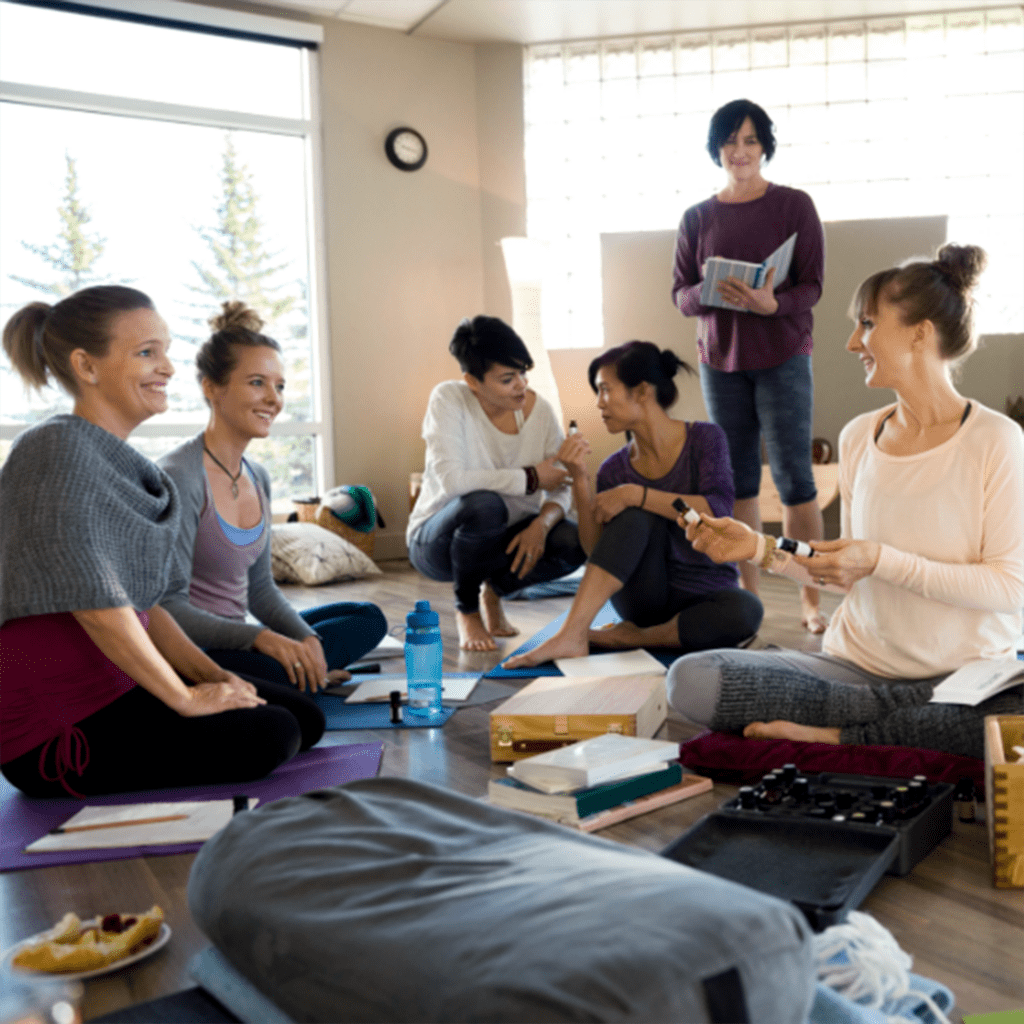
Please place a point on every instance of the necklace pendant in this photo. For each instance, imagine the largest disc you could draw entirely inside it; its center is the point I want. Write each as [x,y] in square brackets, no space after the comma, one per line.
[234,489]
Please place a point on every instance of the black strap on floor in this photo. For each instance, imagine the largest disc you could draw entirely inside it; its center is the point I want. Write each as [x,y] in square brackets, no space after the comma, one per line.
[726,1002]
[193,1006]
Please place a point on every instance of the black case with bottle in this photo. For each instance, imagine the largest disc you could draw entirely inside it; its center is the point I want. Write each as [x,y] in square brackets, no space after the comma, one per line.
[820,841]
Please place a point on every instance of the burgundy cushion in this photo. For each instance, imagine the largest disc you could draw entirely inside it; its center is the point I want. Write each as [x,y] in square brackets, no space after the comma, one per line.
[728,758]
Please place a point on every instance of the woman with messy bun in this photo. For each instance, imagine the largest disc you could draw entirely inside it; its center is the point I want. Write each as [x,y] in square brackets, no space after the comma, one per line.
[101,690]
[931,556]
[223,549]
[668,594]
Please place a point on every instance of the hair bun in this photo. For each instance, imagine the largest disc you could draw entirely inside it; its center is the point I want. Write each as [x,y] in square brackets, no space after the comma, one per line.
[234,316]
[962,265]
[669,362]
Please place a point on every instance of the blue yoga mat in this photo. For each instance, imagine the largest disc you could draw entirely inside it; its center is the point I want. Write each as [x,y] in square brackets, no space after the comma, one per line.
[606,615]
[377,715]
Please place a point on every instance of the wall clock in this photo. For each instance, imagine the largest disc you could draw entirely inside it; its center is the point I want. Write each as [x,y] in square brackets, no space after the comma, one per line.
[406,149]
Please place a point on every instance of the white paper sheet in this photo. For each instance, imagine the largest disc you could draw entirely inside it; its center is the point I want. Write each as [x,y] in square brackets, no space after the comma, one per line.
[389,647]
[617,663]
[977,681]
[205,818]
[379,687]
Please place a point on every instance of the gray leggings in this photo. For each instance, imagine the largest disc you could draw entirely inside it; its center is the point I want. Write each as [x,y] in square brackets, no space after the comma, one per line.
[728,689]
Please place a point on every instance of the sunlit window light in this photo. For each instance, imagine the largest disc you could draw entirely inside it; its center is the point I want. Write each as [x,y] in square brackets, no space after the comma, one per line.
[894,117]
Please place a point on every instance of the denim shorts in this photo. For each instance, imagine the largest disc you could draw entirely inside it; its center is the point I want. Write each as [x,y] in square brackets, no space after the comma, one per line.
[777,403]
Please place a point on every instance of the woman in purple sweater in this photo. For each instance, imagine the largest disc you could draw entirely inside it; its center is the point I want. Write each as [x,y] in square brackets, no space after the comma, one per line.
[755,363]
[668,594]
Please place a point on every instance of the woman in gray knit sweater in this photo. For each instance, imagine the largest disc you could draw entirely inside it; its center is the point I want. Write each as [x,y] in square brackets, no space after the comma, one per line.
[101,690]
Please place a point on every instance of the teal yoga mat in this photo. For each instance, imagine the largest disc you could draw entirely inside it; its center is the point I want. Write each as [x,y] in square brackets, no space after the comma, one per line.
[606,615]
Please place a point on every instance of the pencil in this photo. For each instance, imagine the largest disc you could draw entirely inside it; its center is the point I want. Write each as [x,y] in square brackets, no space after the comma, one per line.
[60,830]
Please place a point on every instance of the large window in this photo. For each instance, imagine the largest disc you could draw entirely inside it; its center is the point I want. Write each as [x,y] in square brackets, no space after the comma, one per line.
[184,164]
[898,117]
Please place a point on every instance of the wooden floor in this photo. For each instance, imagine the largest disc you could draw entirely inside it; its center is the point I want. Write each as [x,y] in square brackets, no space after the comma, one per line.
[959,929]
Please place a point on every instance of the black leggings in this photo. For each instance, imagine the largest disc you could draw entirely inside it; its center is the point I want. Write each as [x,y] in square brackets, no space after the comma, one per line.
[635,548]
[466,540]
[138,742]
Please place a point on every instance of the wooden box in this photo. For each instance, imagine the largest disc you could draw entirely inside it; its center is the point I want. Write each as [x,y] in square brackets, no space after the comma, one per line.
[1004,799]
[554,711]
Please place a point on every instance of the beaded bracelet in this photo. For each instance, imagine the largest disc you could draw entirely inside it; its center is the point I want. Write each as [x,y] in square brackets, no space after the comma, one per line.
[769,551]
[532,480]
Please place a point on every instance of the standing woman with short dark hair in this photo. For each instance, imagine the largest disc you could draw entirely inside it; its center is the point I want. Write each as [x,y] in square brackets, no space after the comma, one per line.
[491,514]
[102,692]
[668,594]
[755,363]
[223,545]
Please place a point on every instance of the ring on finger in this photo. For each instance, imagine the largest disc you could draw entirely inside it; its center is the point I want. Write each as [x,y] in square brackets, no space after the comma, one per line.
[296,664]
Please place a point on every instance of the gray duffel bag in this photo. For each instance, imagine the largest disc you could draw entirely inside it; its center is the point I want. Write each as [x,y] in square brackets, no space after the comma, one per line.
[394,900]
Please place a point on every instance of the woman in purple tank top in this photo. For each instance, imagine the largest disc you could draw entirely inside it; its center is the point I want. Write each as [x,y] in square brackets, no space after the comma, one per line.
[668,594]
[223,551]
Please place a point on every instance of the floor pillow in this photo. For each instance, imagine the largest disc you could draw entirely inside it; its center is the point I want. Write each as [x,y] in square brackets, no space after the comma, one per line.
[394,900]
[726,757]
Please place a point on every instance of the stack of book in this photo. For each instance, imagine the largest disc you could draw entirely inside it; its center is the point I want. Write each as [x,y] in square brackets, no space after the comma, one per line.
[597,782]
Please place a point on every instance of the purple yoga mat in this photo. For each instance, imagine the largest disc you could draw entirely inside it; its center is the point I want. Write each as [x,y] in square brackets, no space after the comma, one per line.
[23,821]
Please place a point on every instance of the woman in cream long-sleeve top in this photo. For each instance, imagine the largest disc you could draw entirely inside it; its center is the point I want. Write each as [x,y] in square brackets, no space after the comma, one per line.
[931,557]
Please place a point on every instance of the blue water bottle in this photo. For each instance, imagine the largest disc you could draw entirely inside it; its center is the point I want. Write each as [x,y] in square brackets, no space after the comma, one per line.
[423,651]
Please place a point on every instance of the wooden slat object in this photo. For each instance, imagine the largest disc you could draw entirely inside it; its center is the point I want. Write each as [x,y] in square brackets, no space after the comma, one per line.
[1004,799]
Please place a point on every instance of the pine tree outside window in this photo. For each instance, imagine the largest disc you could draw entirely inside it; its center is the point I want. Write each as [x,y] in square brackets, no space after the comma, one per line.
[182,163]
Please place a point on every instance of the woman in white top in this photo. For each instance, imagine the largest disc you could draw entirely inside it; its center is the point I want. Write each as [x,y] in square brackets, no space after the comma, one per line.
[931,557]
[491,514]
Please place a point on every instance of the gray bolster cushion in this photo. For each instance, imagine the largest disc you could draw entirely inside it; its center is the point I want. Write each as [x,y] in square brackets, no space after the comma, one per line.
[394,900]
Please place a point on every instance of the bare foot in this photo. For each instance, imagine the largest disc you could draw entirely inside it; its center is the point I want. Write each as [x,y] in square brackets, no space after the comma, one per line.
[473,635]
[782,730]
[493,613]
[810,615]
[617,635]
[816,622]
[559,646]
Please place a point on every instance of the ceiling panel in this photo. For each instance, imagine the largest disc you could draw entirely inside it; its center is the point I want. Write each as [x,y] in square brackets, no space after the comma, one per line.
[537,21]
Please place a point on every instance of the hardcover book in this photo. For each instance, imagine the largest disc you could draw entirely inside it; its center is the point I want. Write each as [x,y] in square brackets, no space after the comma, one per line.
[718,268]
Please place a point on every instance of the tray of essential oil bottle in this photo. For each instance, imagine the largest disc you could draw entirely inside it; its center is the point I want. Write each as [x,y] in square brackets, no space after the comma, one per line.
[919,812]
[825,868]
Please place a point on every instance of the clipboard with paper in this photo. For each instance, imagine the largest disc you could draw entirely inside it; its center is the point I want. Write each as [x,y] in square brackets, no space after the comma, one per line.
[718,268]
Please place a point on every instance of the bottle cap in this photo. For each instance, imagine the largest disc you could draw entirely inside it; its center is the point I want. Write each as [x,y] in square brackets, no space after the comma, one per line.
[422,617]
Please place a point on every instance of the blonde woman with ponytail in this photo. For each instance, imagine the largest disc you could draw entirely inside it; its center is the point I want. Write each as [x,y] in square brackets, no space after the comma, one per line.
[223,549]
[931,556]
[101,691]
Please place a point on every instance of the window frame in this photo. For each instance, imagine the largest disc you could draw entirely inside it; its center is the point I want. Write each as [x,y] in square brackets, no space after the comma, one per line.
[173,14]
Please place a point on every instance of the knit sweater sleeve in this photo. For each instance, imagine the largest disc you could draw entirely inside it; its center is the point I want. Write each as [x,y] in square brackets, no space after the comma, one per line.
[807,271]
[446,427]
[266,602]
[996,581]
[687,275]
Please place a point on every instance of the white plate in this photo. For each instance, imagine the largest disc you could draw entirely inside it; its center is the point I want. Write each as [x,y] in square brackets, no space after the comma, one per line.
[161,940]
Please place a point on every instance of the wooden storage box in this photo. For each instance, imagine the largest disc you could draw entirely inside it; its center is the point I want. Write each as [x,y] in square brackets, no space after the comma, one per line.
[554,711]
[1004,799]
